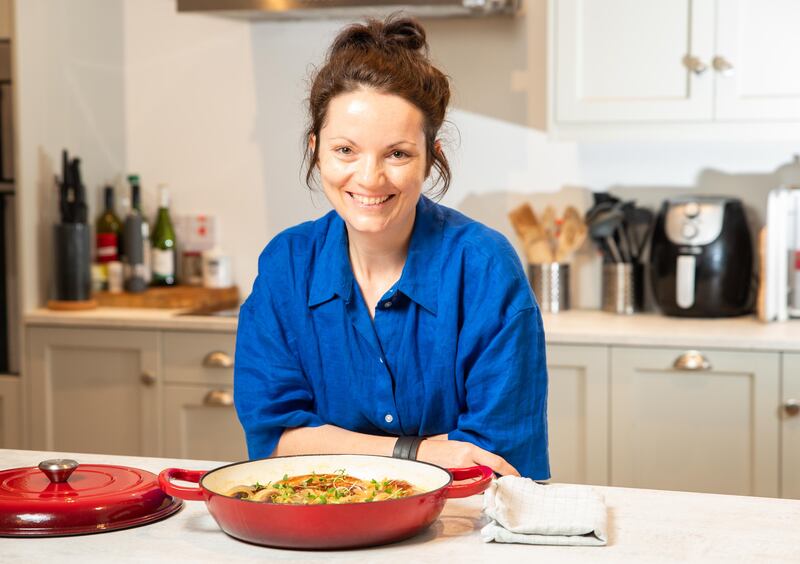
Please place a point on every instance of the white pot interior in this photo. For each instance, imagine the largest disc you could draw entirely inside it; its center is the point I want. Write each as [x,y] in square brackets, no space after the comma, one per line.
[422,476]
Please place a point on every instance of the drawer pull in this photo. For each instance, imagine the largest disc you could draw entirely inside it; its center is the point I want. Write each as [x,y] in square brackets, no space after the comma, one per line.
[218,398]
[218,359]
[148,378]
[791,407]
[692,360]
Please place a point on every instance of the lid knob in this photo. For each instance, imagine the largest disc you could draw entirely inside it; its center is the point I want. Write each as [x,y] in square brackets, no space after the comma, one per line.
[58,469]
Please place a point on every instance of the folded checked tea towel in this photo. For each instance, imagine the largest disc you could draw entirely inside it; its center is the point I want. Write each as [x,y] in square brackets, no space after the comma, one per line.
[523,511]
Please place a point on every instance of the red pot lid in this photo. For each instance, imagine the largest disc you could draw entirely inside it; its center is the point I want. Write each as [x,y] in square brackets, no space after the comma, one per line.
[61,497]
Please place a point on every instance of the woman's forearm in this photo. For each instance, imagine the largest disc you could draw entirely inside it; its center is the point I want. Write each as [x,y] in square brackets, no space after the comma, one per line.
[329,439]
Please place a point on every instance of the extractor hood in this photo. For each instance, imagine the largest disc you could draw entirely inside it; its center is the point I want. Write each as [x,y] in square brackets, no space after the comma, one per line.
[324,9]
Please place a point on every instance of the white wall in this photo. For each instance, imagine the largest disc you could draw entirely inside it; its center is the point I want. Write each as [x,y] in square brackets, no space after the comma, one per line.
[214,108]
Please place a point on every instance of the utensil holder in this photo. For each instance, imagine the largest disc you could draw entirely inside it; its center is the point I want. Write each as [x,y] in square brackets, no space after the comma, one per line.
[73,273]
[550,283]
[623,287]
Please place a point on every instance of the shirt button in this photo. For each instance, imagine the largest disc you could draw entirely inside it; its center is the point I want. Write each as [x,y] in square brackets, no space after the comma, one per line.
[387,304]
[380,359]
[388,418]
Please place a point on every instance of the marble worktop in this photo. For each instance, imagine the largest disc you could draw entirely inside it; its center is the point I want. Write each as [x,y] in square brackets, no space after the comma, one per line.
[130,318]
[585,327]
[644,526]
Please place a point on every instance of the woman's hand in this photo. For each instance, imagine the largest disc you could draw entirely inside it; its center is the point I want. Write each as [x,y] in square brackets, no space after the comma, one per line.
[460,454]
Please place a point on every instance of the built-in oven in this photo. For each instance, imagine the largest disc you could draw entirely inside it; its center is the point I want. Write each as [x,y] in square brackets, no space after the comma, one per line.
[9,307]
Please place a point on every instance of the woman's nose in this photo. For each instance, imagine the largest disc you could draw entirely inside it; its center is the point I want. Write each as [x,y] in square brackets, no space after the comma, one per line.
[371,172]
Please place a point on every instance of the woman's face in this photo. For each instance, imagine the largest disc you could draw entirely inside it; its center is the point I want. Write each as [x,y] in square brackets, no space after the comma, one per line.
[372,160]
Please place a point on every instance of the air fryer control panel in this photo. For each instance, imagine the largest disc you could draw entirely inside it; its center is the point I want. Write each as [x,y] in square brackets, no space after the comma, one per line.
[694,223]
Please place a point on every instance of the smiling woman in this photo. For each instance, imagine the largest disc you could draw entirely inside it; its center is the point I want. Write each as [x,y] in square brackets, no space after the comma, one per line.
[392,325]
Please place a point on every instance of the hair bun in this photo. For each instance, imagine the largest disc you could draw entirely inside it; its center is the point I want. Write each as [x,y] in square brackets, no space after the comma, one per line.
[406,32]
[394,32]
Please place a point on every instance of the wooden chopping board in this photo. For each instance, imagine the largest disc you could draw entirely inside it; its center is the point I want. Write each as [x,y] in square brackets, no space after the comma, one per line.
[176,297]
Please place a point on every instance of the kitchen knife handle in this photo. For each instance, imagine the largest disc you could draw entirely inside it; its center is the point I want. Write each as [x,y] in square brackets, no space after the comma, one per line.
[189,494]
[465,490]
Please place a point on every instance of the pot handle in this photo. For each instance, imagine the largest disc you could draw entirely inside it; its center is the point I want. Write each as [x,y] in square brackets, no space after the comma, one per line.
[189,494]
[465,490]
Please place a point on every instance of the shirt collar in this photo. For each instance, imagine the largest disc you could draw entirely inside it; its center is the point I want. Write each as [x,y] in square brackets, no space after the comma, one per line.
[332,274]
[421,273]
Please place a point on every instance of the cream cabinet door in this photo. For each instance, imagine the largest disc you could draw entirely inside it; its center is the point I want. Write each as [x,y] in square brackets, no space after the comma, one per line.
[577,413]
[94,390]
[200,422]
[790,437]
[757,60]
[629,60]
[711,429]
[10,413]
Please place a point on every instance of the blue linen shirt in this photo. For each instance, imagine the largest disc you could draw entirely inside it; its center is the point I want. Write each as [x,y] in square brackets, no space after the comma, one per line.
[456,345]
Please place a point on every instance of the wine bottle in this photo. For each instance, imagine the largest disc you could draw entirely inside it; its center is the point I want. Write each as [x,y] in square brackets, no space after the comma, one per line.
[163,243]
[107,230]
[134,270]
[136,202]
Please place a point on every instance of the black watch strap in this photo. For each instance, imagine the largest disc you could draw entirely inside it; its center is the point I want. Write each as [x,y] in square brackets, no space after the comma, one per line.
[407,447]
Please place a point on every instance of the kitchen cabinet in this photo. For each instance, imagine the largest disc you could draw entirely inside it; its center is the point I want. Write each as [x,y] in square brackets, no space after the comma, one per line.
[94,390]
[577,413]
[135,392]
[705,421]
[790,437]
[649,61]
[10,414]
[200,421]
[756,60]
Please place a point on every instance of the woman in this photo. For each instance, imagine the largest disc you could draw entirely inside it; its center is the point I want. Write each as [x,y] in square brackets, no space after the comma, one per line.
[390,316]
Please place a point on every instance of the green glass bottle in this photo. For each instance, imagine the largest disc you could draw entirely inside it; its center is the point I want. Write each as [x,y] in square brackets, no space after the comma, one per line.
[163,244]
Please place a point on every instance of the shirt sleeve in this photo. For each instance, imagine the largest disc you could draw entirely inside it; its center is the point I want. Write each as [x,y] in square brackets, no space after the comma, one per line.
[505,386]
[271,392]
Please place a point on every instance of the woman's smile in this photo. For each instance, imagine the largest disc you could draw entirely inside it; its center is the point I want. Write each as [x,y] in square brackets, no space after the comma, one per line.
[370,202]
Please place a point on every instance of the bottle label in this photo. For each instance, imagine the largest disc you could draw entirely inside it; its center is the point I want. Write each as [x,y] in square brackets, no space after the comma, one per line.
[163,262]
[106,247]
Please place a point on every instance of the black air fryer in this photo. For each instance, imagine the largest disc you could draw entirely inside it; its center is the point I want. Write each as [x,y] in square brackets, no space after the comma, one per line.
[701,259]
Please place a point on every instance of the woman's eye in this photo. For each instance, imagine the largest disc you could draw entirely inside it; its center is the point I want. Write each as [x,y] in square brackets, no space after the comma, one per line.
[399,154]
[345,150]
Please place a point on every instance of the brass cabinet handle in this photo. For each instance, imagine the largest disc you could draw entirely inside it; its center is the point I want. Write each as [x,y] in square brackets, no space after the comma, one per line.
[692,360]
[722,66]
[218,398]
[791,407]
[148,378]
[218,359]
[695,65]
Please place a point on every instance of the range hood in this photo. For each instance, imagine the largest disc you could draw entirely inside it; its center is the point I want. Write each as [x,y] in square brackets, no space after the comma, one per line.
[350,9]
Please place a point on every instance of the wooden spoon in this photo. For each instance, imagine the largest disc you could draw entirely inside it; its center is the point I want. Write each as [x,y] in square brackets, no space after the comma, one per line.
[573,234]
[531,233]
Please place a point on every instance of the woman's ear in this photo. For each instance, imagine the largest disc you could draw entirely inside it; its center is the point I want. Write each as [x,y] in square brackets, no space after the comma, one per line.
[437,146]
[312,143]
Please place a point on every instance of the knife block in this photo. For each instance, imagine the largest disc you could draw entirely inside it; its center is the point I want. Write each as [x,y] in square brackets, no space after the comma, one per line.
[73,259]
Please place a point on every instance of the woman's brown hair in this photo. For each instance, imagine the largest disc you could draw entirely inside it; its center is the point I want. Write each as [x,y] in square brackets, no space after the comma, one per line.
[390,56]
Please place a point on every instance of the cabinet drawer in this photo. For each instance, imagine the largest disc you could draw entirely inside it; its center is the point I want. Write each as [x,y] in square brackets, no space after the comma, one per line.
[198,358]
[200,423]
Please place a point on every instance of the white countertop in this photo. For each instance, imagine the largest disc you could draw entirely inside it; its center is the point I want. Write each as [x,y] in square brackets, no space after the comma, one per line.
[644,526]
[648,329]
[575,327]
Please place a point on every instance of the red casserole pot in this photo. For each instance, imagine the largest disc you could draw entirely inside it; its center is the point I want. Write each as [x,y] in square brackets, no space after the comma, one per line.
[345,525]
